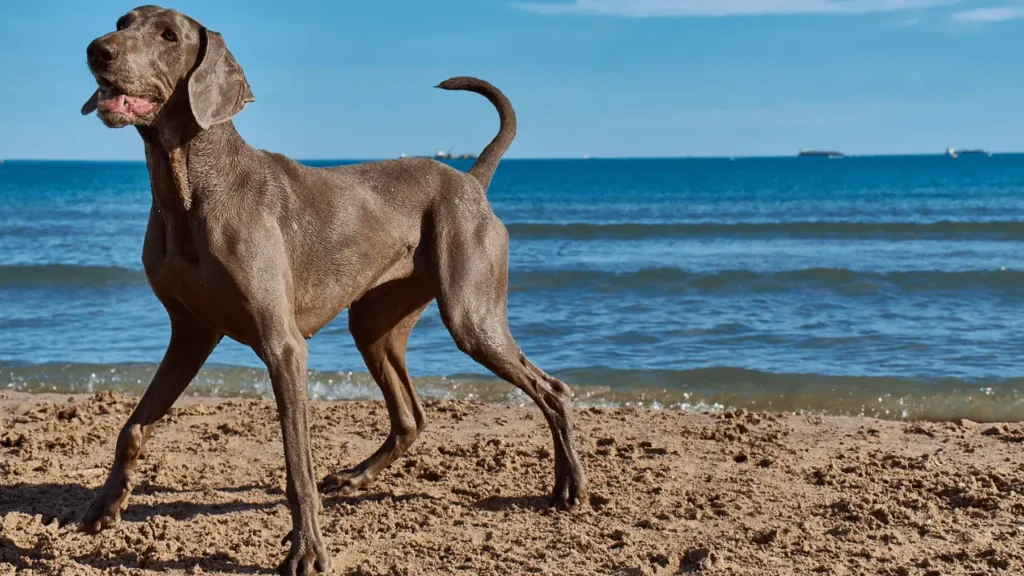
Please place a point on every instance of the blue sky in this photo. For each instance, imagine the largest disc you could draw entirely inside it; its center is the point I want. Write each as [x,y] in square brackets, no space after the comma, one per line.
[598,77]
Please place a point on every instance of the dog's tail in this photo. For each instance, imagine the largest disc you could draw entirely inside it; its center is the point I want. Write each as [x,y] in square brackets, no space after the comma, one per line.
[485,165]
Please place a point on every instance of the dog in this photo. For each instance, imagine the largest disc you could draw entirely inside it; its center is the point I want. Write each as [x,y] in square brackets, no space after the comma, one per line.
[251,245]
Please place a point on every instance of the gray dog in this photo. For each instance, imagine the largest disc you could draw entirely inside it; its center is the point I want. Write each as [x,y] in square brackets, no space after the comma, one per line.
[251,245]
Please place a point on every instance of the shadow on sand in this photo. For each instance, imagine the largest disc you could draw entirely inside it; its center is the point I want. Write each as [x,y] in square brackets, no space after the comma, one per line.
[66,502]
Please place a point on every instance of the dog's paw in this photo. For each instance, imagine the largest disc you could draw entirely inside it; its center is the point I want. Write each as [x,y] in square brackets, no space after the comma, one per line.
[104,512]
[307,556]
[570,489]
[346,483]
[563,500]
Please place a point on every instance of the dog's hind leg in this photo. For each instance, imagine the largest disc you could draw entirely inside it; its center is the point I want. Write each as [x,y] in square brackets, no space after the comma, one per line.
[471,277]
[380,323]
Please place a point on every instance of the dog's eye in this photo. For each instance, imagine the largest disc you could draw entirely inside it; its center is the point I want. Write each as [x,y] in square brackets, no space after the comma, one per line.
[123,23]
[169,35]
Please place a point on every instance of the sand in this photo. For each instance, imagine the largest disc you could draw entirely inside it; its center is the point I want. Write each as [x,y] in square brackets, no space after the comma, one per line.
[734,493]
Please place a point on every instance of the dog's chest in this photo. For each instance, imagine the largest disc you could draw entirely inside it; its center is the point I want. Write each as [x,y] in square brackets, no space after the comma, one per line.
[198,286]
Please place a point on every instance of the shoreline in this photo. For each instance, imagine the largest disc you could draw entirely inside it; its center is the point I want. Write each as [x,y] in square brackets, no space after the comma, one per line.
[713,389]
[729,493]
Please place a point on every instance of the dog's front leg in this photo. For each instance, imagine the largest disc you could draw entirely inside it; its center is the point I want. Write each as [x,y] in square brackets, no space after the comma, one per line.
[284,351]
[190,346]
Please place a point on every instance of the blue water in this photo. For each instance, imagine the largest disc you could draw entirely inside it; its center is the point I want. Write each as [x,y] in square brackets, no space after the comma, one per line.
[889,286]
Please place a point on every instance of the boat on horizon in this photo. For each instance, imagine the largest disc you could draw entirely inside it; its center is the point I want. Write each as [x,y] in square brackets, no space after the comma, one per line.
[819,154]
[954,153]
[449,155]
[444,155]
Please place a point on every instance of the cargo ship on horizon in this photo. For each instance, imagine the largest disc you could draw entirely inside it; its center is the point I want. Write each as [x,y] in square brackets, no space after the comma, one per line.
[954,153]
[819,154]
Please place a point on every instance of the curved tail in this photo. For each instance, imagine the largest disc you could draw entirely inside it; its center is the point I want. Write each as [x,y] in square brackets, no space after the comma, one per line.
[485,165]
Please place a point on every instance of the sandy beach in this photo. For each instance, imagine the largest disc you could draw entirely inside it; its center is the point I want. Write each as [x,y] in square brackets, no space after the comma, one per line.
[670,492]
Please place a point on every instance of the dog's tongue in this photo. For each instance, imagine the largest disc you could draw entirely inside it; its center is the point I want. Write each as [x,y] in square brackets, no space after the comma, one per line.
[123,104]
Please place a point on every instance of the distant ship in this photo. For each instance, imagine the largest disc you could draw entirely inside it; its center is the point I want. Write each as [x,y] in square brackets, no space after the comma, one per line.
[820,153]
[449,155]
[954,153]
[444,155]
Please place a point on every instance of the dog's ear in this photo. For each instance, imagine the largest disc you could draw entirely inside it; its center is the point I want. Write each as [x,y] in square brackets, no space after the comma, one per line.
[217,88]
[90,105]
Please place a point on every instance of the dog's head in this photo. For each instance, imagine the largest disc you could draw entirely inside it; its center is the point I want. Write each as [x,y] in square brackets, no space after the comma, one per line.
[158,59]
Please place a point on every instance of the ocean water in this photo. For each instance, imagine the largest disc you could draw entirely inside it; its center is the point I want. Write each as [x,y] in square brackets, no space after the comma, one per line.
[884,286]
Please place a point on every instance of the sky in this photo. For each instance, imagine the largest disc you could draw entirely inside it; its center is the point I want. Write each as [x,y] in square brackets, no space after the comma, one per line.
[605,78]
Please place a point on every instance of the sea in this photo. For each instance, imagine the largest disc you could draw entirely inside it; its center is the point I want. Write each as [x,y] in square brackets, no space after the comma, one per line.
[861,286]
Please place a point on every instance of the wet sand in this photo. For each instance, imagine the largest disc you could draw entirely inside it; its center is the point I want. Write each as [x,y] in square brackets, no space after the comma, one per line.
[670,492]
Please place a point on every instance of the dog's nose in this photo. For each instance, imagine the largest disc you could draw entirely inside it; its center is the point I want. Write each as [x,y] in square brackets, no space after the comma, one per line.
[101,52]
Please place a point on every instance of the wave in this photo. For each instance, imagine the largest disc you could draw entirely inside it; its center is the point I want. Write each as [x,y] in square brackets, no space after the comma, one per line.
[69,275]
[646,279]
[703,389]
[838,279]
[893,231]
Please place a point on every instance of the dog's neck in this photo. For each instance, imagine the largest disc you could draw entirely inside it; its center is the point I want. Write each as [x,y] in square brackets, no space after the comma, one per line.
[167,161]
[174,157]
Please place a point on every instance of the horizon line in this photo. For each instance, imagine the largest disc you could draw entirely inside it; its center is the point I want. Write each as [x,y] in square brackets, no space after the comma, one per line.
[541,158]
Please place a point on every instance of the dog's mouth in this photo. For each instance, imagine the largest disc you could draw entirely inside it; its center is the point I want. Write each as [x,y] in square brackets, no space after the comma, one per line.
[113,101]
